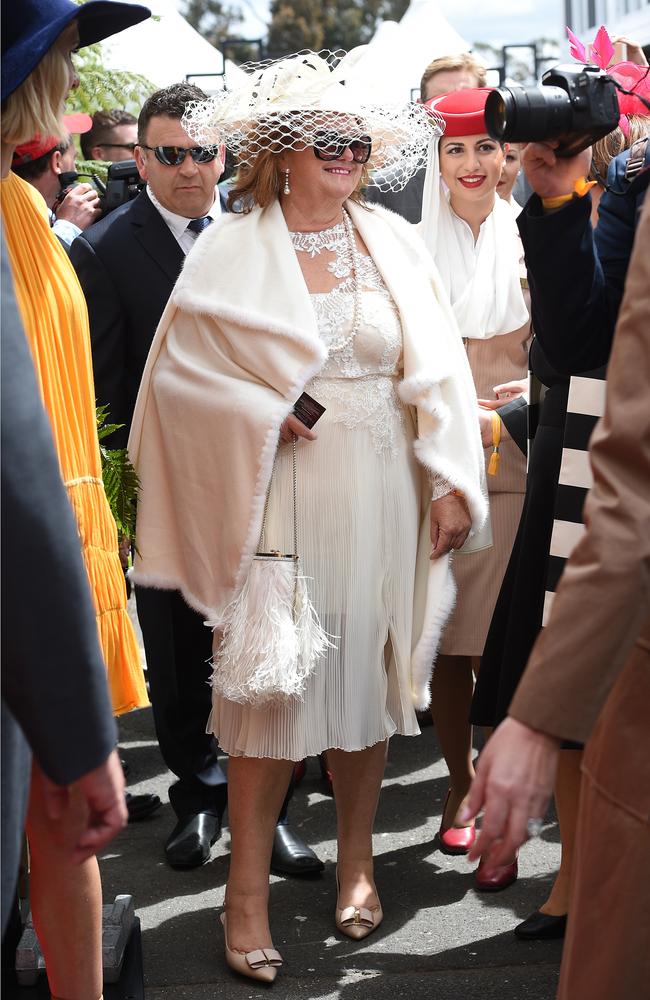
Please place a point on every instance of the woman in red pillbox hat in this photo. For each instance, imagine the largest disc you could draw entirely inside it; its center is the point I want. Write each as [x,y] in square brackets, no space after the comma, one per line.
[472,236]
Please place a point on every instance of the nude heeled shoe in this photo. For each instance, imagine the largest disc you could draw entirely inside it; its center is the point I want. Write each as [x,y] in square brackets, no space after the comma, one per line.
[262,964]
[356,922]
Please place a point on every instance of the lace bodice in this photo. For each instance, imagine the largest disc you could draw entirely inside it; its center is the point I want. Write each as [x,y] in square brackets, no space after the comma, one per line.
[358,383]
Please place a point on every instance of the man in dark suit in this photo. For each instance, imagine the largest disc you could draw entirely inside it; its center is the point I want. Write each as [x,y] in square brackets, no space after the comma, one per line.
[127,265]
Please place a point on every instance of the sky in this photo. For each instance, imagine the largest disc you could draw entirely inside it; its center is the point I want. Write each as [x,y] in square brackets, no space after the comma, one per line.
[494,21]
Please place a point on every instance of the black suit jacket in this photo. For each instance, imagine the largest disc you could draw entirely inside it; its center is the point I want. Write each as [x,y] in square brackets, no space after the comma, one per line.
[576,275]
[127,264]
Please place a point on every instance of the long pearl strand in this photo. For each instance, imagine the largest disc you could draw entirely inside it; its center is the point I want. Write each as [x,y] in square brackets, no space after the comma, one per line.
[315,243]
[339,345]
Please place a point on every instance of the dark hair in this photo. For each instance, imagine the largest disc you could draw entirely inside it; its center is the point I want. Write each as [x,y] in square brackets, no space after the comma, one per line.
[102,131]
[34,169]
[170,101]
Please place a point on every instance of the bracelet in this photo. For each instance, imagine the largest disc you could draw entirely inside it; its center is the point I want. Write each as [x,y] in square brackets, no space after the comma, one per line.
[580,189]
[457,493]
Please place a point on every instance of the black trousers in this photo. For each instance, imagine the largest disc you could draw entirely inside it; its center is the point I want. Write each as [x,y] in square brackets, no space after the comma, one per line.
[178,647]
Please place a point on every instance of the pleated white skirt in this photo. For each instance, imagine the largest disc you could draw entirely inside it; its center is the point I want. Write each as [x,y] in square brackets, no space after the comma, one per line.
[359,492]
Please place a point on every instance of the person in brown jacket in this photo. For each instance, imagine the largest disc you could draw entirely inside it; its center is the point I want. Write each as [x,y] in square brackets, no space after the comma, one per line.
[588,679]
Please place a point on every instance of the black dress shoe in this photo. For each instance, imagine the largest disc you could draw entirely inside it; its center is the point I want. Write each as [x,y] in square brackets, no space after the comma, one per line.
[541,927]
[291,855]
[190,841]
[141,806]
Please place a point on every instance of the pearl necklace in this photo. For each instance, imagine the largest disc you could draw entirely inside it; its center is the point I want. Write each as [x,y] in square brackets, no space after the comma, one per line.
[338,239]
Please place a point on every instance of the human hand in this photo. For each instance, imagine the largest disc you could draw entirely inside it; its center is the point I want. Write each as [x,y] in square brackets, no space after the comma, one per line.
[293,426]
[515,775]
[80,206]
[102,791]
[485,425]
[450,524]
[505,393]
[628,50]
[549,175]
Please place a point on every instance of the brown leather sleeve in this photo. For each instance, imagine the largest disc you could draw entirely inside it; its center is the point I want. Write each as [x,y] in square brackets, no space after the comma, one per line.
[602,606]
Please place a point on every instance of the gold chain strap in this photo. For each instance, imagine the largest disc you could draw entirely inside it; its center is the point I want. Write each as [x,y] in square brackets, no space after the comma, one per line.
[274,553]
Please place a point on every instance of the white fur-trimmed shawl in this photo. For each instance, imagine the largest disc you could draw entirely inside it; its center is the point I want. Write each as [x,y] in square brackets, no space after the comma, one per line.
[234,349]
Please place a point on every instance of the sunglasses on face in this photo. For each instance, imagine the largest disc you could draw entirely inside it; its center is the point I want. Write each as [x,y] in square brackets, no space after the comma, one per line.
[331,146]
[173,156]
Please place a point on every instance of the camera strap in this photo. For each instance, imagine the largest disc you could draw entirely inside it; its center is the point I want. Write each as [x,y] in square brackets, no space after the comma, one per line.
[637,158]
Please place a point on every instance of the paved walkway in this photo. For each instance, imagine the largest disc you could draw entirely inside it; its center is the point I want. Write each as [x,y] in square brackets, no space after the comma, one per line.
[440,939]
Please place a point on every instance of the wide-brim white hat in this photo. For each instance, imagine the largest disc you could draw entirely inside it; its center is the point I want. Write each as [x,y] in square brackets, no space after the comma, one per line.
[288,103]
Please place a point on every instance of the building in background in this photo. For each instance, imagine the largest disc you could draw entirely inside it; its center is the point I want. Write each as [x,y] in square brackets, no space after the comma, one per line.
[630,18]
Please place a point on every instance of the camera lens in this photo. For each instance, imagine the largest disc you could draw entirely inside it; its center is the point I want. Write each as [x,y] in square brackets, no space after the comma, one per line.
[496,112]
[530,114]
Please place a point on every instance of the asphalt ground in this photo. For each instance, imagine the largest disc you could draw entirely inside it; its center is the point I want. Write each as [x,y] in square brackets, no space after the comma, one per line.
[440,938]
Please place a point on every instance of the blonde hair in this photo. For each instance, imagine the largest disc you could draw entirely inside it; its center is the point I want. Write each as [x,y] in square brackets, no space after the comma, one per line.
[260,183]
[36,107]
[615,142]
[464,61]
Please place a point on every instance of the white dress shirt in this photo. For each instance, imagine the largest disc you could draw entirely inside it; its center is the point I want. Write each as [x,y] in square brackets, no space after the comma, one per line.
[178,223]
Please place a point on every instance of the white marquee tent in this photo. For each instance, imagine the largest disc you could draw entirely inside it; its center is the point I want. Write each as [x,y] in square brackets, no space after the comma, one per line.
[398,53]
[166,50]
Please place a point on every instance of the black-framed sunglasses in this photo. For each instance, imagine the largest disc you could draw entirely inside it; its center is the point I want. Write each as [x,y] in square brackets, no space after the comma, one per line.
[332,145]
[173,156]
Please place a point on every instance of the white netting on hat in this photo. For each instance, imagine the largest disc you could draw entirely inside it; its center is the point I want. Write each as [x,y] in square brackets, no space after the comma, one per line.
[307,99]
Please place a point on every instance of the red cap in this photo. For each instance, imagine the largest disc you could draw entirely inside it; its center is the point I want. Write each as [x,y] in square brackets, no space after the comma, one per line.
[37,147]
[463,110]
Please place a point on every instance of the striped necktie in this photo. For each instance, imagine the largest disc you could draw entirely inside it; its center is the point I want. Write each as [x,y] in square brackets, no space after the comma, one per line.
[198,225]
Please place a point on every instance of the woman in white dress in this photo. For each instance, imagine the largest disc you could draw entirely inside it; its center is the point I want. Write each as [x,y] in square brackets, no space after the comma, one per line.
[307,289]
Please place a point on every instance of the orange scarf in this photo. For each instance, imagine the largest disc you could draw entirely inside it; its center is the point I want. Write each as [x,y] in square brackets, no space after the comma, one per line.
[55,319]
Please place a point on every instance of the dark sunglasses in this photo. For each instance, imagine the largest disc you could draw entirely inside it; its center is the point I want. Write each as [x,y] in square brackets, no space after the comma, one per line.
[332,145]
[173,156]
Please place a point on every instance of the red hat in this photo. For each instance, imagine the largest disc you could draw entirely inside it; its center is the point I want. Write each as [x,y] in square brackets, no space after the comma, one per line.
[37,147]
[463,110]
[632,77]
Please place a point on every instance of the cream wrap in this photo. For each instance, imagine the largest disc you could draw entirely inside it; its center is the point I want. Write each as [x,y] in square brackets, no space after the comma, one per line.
[234,349]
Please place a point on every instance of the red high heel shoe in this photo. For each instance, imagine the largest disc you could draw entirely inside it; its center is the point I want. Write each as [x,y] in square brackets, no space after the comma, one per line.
[455,840]
[495,879]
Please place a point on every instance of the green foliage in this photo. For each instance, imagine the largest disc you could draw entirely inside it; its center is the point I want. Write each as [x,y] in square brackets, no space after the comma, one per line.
[121,482]
[329,24]
[213,19]
[101,89]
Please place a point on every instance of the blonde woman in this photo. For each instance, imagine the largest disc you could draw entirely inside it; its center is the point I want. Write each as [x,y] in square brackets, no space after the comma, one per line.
[38,42]
[309,290]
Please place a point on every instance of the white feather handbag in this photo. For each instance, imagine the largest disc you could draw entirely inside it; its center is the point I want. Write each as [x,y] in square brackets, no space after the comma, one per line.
[272,636]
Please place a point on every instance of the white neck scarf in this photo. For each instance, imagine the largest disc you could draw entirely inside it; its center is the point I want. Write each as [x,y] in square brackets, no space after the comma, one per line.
[483,283]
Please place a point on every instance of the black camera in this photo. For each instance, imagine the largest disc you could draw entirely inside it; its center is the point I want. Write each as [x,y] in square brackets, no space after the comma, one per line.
[123,183]
[575,105]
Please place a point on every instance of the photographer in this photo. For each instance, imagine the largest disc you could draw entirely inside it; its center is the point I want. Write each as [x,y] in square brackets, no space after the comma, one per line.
[576,280]
[588,678]
[44,163]
[577,276]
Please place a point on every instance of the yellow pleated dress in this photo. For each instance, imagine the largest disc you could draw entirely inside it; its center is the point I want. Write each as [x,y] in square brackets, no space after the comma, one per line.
[55,318]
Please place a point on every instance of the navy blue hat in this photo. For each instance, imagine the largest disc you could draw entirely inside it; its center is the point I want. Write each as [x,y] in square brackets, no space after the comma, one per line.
[30,28]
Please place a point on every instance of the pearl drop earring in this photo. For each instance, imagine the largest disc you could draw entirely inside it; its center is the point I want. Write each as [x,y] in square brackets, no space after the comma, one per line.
[286,189]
